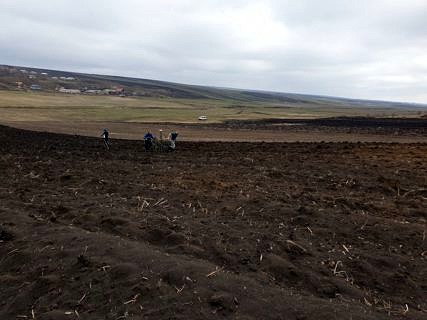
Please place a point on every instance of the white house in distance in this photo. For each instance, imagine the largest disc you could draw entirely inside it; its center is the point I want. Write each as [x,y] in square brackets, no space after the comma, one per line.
[67,78]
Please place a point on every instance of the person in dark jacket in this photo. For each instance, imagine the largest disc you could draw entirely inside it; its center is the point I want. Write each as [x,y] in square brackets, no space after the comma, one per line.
[148,140]
[105,135]
[172,138]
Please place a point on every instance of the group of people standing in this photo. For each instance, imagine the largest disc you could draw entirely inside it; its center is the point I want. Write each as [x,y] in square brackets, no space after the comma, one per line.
[149,140]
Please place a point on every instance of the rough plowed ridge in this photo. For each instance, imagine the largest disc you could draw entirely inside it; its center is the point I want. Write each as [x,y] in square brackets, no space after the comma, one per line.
[284,231]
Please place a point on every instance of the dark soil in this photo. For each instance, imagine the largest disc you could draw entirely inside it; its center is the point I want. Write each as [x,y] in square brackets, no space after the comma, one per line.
[394,126]
[347,122]
[212,230]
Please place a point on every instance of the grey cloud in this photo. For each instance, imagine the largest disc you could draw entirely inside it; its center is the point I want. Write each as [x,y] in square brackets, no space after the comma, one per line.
[365,49]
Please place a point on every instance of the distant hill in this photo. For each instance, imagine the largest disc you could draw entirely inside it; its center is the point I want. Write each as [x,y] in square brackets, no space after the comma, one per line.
[22,78]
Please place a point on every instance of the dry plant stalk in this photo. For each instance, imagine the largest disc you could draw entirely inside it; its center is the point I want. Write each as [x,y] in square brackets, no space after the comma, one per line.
[214,272]
[336,267]
[346,249]
[296,245]
[133,300]
[179,290]
[82,298]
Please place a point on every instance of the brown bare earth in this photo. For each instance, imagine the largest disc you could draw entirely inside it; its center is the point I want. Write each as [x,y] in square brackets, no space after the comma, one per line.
[213,230]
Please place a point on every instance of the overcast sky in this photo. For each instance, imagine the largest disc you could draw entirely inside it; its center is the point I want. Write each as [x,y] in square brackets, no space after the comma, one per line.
[374,49]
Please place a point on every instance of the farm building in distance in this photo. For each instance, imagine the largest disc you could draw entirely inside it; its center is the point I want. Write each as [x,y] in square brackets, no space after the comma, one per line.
[67,78]
[35,87]
[72,91]
[113,91]
[93,91]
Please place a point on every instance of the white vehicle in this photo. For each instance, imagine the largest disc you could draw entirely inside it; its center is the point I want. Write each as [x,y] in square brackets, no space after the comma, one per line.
[203,118]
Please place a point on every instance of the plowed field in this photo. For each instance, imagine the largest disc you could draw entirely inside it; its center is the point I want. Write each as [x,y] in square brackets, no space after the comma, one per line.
[213,230]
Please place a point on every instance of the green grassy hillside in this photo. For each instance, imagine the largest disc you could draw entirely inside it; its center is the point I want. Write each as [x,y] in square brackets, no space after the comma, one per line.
[146,100]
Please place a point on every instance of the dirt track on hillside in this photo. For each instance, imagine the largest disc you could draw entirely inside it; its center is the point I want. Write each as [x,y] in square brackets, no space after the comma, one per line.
[211,231]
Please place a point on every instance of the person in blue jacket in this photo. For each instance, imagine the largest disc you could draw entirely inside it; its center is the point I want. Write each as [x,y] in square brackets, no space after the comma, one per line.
[148,140]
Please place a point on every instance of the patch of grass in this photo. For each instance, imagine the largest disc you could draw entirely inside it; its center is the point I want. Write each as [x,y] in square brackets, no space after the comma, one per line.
[30,106]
